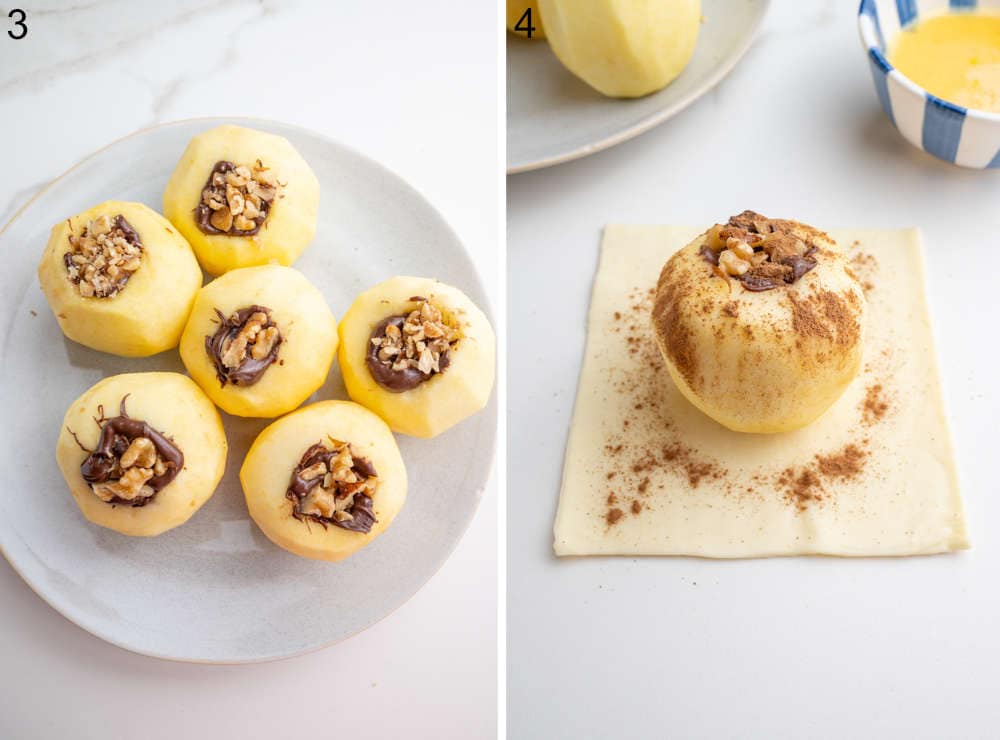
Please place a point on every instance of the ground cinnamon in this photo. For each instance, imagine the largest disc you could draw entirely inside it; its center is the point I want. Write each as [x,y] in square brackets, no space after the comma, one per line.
[632,463]
[875,406]
[640,470]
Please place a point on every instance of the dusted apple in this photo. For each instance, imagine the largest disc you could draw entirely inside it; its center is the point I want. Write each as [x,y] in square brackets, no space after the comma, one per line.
[120,279]
[260,340]
[418,353]
[324,481]
[760,323]
[242,198]
[142,452]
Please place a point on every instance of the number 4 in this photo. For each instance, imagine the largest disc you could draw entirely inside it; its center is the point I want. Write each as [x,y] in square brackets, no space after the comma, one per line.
[524,24]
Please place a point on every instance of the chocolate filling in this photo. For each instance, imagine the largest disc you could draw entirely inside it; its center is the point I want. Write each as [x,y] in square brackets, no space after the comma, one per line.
[203,214]
[128,234]
[117,433]
[361,507]
[768,275]
[251,369]
[800,265]
[708,255]
[396,381]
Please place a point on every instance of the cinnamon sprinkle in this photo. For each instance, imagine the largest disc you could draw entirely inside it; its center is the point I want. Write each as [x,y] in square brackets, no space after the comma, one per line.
[801,487]
[804,484]
[826,315]
[845,464]
[875,406]
[864,266]
[641,470]
[644,383]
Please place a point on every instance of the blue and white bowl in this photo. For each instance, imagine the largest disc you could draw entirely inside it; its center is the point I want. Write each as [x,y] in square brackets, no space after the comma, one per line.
[963,136]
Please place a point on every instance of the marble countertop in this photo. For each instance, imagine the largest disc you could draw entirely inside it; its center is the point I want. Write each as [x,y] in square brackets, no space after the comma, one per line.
[785,648]
[387,84]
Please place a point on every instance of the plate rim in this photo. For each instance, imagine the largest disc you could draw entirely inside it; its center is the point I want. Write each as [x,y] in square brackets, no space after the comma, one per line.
[487,307]
[653,119]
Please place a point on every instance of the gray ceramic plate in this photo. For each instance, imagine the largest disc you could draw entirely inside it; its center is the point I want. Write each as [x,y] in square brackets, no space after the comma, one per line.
[553,117]
[215,589]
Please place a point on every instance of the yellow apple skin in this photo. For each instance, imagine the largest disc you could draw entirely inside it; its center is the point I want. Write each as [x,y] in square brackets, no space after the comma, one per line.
[173,405]
[268,467]
[515,10]
[446,398]
[623,48]
[147,316]
[291,223]
[308,330]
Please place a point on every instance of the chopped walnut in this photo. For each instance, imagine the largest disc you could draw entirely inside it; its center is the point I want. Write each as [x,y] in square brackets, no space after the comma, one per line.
[132,461]
[762,253]
[236,199]
[334,486]
[102,259]
[264,342]
[780,247]
[130,486]
[423,339]
[234,350]
[314,471]
[244,346]
[731,264]
[136,466]
[142,452]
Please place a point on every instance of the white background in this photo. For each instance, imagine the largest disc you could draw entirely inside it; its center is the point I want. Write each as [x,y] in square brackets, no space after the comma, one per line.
[791,648]
[413,86]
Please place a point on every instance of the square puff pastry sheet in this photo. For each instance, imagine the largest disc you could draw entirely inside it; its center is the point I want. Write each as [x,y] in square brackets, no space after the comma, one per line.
[904,502]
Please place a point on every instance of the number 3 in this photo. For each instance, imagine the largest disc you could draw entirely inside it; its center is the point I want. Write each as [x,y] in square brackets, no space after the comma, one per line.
[18,23]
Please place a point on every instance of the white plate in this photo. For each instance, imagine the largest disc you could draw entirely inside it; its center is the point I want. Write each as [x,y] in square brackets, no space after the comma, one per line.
[215,589]
[553,117]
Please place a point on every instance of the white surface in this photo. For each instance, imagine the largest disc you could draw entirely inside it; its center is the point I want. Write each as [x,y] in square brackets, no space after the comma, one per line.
[819,648]
[216,589]
[552,116]
[428,669]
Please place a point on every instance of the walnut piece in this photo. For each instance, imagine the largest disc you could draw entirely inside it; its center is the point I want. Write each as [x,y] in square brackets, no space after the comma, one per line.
[141,452]
[426,335]
[244,346]
[264,343]
[234,351]
[237,198]
[334,496]
[102,258]
[763,254]
[136,466]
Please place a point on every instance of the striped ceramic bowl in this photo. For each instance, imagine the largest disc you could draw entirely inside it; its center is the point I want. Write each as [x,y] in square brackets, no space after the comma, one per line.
[967,137]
